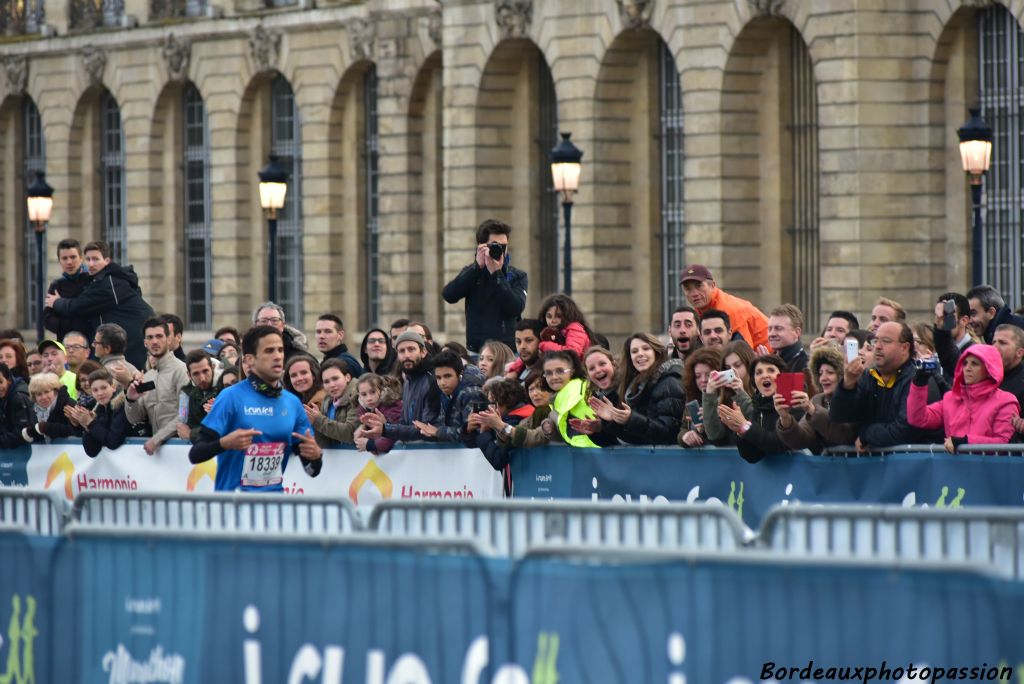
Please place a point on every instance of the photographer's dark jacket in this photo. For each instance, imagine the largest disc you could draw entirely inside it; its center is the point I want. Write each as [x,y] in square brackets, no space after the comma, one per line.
[494,302]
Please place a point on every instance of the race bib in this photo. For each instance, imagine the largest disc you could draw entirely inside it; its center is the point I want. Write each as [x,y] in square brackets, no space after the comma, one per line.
[263,464]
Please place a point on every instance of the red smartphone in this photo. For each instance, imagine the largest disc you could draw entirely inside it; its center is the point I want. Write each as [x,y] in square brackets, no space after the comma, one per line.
[787,383]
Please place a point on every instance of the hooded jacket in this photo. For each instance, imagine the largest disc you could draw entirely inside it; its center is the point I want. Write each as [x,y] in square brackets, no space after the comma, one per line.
[656,408]
[571,402]
[15,415]
[980,412]
[390,357]
[341,353]
[113,296]
[295,343]
[67,286]
[455,410]
[108,429]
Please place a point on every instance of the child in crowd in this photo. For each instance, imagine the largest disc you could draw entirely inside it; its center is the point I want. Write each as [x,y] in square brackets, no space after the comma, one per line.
[461,394]
[49,397]
[508,406]
[335,418]
[566,329]
[494,356]
[107,425]
[85,398]
[384,395]
[975,411]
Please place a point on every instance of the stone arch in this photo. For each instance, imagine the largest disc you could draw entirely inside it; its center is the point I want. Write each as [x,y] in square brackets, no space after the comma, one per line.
[84,149]
[346,247]
[515,131]
[626,176]
[426,210]
[761,212]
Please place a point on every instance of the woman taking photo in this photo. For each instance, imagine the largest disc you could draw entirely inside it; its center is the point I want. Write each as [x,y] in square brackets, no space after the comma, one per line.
[815,430]
[756,436]
[736,357]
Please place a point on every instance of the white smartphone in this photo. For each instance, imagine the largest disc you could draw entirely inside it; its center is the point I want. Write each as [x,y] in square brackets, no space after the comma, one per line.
[852,349]
[727,376]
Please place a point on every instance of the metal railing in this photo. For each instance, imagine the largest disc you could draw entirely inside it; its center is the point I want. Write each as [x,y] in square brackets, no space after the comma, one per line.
[992,537]
[986,449]
[40,512]
[511,528]
[238,512]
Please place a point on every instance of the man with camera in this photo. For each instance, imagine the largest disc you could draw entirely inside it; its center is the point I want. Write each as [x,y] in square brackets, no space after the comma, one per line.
[494,291]
[153,397]
[952,330]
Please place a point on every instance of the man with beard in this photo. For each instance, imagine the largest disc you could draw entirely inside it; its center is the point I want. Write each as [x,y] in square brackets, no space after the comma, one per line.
[875,398]
[254,426]
[421,400]
[196,395]
[377,353]
[684,331]
[159,405]
[528,347]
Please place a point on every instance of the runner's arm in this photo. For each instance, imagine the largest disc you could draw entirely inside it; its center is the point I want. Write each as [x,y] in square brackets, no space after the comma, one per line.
[206,447]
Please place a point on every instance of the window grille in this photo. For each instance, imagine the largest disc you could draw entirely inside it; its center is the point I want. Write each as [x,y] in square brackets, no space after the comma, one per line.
[286,143]
[1001,94]
[371,172]
[112,178]
[549,231]
[805,223]
[673,214]
[34,160]
[196,184]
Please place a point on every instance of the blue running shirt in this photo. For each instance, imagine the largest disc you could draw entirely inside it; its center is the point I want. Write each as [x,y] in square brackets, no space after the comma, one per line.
[241,406]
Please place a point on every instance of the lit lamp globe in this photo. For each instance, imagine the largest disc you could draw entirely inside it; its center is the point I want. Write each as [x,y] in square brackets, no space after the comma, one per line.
[40,201]
[273,187]
[975,146]
[565,167]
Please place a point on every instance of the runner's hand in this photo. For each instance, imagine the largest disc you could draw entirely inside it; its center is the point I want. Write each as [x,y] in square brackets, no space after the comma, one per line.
[308,448]
[239,440]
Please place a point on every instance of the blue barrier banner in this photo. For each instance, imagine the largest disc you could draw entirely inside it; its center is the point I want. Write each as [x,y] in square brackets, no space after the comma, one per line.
[26,631]
[725,622]
[751,489]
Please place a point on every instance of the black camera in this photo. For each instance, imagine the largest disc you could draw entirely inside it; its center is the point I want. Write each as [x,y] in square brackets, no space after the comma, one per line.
[496,250]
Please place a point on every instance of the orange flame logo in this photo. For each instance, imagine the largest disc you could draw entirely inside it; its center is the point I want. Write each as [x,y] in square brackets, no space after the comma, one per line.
[62,465]
[201,470]
[371,472]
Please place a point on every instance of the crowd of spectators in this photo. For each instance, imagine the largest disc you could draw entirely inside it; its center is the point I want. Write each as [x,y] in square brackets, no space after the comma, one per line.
[723,374]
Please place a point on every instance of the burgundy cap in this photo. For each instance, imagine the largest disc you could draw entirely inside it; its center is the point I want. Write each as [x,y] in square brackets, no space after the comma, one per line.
[695,272]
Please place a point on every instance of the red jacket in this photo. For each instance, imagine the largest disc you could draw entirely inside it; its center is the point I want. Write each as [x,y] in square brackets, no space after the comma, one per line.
[576,339]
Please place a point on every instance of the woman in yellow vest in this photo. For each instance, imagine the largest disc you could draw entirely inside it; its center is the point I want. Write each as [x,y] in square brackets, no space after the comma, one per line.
[564,375]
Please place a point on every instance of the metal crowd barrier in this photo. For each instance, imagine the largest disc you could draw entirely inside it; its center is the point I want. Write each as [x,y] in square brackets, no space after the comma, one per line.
[509,528]
[229,512]
[992,537]
[992,449]
[987,449]
[41,512]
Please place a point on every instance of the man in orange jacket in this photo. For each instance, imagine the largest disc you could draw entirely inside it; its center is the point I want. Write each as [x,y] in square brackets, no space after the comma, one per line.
[701,291]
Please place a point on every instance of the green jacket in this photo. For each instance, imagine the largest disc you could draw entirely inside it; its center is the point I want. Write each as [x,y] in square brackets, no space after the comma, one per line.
[571,401]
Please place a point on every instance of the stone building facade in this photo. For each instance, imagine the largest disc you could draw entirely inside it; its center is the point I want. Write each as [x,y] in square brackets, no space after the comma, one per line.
[804,150]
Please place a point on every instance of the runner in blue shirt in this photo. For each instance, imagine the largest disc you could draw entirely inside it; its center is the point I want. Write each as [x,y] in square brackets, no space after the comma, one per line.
[254,426]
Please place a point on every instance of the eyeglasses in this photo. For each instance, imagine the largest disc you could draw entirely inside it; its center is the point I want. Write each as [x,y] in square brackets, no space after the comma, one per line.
[376,340]
[74,347]
[558,372]
[269,321]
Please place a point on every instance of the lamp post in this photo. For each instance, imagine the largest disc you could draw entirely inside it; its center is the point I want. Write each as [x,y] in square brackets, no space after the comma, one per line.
[39,197]
[565,173]
[975,154]
[273,188]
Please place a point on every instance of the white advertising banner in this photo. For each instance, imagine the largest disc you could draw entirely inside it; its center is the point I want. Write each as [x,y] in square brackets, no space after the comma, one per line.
[365,479]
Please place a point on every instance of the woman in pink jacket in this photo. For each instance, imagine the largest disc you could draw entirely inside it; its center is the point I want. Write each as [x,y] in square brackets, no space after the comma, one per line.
[975,411]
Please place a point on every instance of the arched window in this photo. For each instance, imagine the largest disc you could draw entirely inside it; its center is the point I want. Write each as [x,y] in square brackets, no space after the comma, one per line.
[34,160]
[196,185]
[673,217]
[1001,92]
[286,143]
[371,172]
[112,177]
[803,126]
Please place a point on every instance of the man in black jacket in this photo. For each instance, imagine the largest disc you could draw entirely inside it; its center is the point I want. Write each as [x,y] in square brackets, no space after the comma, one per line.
[494,291]
[876,398]
[951,343]
[1009,340]
[73,279]
[330,340]
[112,296]
[989,311]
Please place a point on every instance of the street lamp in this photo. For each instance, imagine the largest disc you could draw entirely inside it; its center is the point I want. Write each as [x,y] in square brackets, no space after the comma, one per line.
[565,173]
[273,188]
[975,154]
[39,197]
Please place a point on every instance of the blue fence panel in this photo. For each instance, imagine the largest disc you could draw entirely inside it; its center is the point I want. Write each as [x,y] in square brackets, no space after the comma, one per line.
[27,638]
[723,620]
[643,474]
